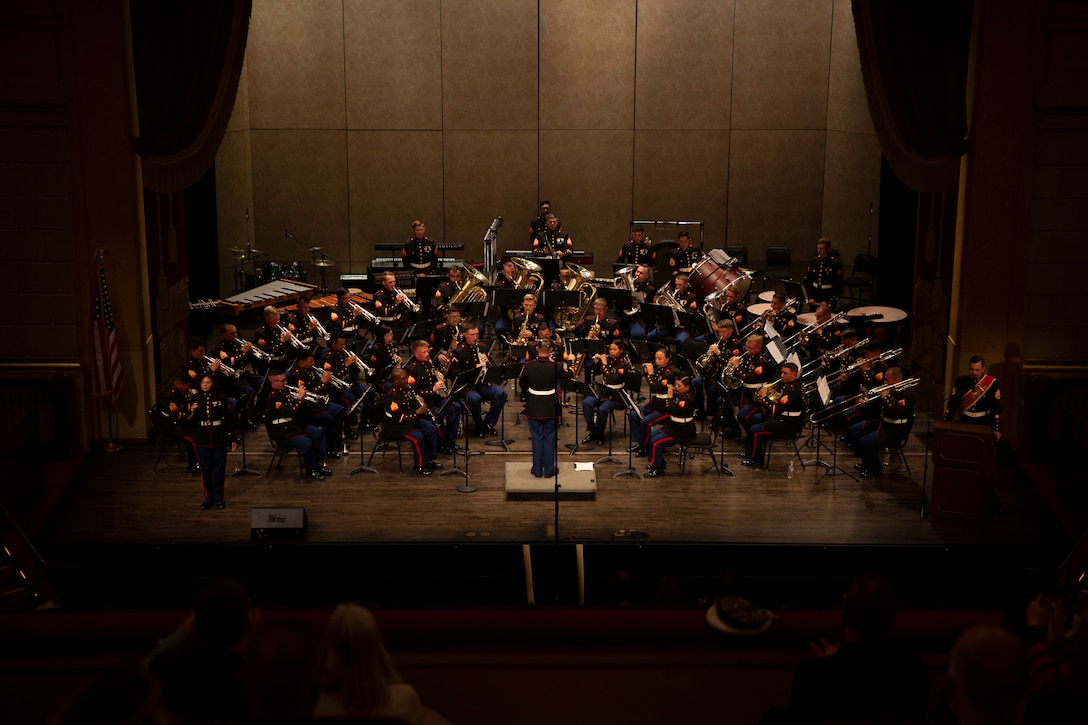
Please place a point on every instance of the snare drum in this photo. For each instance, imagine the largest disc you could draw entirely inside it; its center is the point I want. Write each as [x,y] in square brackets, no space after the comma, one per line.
[271,271]
[712,274]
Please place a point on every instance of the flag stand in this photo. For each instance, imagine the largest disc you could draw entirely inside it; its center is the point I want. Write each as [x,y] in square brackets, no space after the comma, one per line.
[112,446]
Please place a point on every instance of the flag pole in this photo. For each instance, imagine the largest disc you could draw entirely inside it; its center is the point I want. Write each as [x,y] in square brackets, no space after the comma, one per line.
[112,446]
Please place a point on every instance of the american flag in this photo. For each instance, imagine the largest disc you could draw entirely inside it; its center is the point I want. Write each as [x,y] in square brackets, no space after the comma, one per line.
[107,359]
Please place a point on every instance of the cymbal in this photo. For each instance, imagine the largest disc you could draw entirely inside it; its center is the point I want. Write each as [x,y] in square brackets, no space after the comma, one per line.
[255,252]
[316,249]
[324,263]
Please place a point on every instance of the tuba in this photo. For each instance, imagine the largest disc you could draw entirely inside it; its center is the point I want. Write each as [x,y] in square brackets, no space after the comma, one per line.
[565,320]
[473,287]
[529,275]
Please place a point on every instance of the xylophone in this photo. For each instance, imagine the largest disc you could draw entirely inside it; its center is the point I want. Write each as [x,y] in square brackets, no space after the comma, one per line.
[273,293]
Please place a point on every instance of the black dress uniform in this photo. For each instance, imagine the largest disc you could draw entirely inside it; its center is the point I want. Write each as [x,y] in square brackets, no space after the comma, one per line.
[392,313]
[559,242]
[540,380]
[753,371]
[609,326]
[440,304]
[896,413]
[422,376]
[636,253]
[466,357]
[172,421]
[682,260]
[400,420]
[329,416]
[787,418]
[212,430]
[343,318]
[784,322]
[823,279]
[268,340]
[420,255]
[680,428]
[976,402]
[286,431]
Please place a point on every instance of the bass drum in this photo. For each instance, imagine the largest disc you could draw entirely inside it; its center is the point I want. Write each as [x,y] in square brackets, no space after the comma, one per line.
[714,273]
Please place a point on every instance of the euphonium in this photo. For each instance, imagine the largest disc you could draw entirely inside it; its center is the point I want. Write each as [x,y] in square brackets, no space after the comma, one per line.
[472,288]
[625,279]
[528,272]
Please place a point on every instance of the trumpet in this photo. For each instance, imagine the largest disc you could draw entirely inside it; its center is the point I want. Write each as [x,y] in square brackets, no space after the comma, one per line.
[307,395]
[412,305]
[318,327]
[365,313]
[295,342]
[363,367]
[224,368]
[255,351]
[863,398]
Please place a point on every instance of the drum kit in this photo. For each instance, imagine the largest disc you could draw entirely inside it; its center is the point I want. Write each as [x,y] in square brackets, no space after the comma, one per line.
[250,273]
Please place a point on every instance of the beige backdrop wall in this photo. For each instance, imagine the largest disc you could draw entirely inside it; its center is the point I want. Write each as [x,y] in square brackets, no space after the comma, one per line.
[354,117]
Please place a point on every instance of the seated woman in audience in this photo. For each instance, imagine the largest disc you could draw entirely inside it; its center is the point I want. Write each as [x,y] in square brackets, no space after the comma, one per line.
[357,677]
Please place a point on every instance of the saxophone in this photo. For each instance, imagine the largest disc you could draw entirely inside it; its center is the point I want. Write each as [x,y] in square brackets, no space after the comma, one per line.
[454,339]
[580,361]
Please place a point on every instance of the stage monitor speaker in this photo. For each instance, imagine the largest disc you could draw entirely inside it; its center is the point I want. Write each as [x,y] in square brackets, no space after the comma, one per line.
[278,524]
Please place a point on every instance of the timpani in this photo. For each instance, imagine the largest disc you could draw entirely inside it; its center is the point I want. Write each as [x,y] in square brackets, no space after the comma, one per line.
[884,328]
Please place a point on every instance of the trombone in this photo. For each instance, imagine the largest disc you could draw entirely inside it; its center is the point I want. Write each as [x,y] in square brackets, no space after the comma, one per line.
[863,398]
[803,334]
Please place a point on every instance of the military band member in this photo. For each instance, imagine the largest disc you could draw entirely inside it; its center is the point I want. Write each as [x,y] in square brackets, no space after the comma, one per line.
[637,250]
[328,416]
[440,305]
[288,432]
[678,428]
[507,279]
[684,257]
[861,376]
[976,398]
[537,225]
[896,412]
[391,305]
[305,326]
[823,276]
[613,368]
[172,419]
[212,431]
[274,339]
[643,292]
[734,309]
[346,315]
[426,380]
[660,377]
[528,322]
[404,415]
[344,364]
[723,347]
[420,252]
[825,339]
[197,363]
[552,242]
[782,418]
[444,338]
[540,380]
[666,333]
[383,354]
[236,354]
[755,368]
[469,356]
[782,317]
[607,324]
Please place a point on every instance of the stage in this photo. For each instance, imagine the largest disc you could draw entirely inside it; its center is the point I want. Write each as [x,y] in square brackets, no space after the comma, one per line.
[406,533]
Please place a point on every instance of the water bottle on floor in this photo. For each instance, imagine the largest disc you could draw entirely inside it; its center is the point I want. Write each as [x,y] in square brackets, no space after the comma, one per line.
[789,470]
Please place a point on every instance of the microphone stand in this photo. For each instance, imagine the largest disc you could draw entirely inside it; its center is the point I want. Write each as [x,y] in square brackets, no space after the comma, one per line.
[631,406]
[609,458]
[925,468]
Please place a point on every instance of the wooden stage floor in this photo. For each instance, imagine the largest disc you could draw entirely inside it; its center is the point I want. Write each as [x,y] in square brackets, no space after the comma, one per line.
[118,504]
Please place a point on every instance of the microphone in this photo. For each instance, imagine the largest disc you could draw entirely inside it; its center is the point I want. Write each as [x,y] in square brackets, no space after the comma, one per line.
[287,233]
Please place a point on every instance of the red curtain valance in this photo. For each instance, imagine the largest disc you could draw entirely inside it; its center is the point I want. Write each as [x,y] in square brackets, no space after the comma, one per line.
[187,57]
[914,65]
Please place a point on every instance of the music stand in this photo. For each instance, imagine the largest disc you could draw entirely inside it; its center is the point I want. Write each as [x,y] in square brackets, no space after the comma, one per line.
[507,298]
[553,298]
[618,299]
[498,375]
[722,467]
[470,309]
[239,406]
[662,316]
[830,469]
[612,394]
[631,406]
[456,397]
[549,267]
[578,387]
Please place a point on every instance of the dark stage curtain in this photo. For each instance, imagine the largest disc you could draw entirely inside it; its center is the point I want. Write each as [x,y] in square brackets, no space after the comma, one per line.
[187,57]
[914,65]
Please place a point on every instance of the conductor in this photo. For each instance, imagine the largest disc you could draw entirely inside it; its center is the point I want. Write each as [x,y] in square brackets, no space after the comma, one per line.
[540,379]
